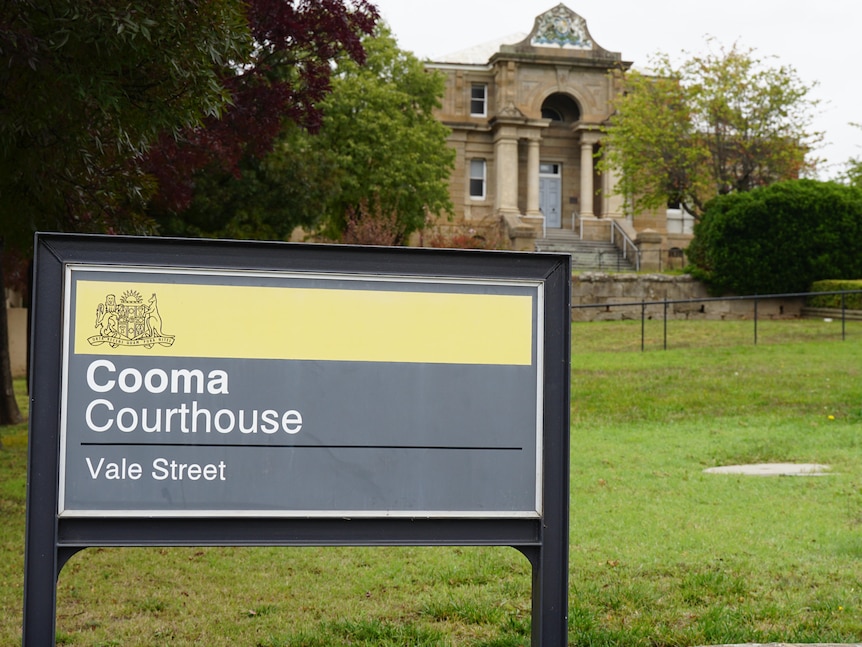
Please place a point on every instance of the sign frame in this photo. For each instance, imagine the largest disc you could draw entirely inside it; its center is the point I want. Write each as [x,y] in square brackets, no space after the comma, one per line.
[51,539]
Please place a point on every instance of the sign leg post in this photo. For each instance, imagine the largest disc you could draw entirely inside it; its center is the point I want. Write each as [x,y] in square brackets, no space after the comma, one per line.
[41,571]
[549,597]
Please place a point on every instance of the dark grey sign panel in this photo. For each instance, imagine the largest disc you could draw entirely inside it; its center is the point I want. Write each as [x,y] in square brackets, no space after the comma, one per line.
[151,430]
[373,438]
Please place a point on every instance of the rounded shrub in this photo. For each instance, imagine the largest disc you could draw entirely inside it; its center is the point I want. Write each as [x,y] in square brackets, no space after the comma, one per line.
[780,238]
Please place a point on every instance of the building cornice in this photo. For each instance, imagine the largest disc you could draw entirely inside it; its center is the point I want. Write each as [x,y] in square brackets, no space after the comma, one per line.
[462,67]
[571,59]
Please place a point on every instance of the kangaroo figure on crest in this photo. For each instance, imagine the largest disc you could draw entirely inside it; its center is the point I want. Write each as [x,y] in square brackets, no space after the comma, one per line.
[154,319]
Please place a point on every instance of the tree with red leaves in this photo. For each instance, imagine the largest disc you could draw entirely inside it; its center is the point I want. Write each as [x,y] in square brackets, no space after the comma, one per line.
[296,43]
[88,87]
[380,153]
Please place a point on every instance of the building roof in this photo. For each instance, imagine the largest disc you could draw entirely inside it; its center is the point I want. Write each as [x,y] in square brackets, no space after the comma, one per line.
[480,54]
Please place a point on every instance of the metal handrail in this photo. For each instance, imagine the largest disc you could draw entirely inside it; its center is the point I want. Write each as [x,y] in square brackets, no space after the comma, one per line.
[627,242]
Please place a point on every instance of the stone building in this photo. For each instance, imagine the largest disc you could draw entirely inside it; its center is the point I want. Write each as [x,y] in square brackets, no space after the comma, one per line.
[526,114]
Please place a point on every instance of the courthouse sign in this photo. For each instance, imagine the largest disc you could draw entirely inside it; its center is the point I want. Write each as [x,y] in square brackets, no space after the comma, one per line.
[249,393]
[202,392]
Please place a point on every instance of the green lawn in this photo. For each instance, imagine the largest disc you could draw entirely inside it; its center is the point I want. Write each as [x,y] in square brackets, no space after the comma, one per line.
[660,553]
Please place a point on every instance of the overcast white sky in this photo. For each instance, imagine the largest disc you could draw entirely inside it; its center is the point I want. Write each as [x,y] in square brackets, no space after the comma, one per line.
[821,39]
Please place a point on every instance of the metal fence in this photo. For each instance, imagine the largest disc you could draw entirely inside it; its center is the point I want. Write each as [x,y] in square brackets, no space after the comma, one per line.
[663,306]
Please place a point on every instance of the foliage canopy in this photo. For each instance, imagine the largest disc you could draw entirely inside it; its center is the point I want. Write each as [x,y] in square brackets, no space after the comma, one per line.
[719,123]
[86,87]
[103,104]
[853,171]
[379,153]
[391,150]
[780,238]
[288,73]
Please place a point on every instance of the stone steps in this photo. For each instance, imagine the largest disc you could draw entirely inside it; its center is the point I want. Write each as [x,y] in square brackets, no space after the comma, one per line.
[587,255]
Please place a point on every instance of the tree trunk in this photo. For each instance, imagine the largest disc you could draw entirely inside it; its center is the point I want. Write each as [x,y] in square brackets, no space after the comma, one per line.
[9,412]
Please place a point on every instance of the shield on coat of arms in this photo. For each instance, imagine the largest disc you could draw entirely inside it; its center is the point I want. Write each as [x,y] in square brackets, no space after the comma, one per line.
[132,320]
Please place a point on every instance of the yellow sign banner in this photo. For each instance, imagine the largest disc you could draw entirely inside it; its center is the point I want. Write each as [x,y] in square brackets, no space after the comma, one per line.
[250,322]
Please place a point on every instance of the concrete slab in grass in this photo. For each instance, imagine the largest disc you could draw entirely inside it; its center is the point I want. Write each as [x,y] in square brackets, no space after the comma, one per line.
[772,469]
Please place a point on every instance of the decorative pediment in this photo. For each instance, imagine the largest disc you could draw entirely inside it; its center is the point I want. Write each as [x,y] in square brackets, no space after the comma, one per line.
[559,33]
[511,111]
[561,27]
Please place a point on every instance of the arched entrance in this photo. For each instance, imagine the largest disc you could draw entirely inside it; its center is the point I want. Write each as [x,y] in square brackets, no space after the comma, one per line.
[559,164]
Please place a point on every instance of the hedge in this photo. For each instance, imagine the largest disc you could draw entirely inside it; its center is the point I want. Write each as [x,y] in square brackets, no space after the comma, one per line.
[781,238]
[851,301]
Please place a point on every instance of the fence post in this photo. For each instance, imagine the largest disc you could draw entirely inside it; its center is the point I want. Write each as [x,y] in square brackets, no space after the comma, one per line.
[755,320]
[643,324]
[843,315]
[665,321]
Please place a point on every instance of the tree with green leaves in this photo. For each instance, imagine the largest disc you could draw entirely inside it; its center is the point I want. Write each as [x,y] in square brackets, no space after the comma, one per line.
[390,150]
[853,172]
[720,123]
[85,88]
[265,198]
[379,153]
[296,45]
[104,104]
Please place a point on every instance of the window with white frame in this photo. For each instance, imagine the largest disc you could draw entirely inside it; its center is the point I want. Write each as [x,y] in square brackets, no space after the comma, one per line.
[479,100]
[679,221]
[477,179]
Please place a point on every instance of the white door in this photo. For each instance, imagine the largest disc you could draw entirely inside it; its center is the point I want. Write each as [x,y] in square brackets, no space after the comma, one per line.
[550,190]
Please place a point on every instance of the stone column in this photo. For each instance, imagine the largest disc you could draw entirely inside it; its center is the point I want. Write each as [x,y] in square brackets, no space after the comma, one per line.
[589,136]
[586,199]
[533,176]
[506,171]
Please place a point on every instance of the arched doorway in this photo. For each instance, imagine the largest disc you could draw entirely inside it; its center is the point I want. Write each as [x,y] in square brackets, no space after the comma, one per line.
[556,163]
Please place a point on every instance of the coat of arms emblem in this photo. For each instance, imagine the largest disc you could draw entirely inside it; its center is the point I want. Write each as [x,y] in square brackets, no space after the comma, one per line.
[563,27]
[129,322]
